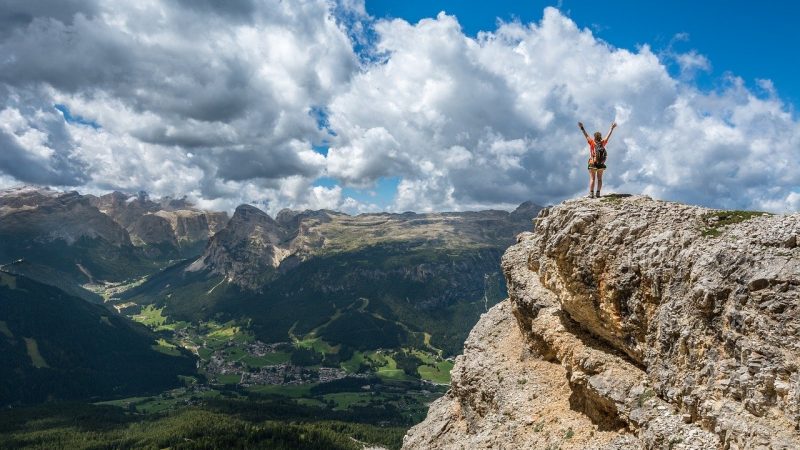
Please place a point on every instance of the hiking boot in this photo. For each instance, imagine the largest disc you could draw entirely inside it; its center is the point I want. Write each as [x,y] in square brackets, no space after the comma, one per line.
[590,195]
[597,194]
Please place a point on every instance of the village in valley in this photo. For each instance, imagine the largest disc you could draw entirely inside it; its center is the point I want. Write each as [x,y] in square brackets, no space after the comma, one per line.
[232,362]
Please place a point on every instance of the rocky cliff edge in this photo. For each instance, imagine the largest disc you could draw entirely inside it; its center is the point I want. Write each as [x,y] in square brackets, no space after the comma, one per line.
[634,324]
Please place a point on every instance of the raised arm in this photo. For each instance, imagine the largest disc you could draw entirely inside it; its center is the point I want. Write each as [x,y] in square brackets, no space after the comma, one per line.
[608,136]
[580,124]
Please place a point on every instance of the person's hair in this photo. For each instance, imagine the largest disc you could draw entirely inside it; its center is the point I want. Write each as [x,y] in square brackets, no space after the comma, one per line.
[598,136]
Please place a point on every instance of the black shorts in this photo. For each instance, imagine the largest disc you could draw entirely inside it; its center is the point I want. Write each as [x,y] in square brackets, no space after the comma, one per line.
[597,166]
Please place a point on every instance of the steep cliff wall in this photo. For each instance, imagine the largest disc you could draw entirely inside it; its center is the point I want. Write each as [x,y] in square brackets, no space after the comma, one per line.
[172,225]
[634,323]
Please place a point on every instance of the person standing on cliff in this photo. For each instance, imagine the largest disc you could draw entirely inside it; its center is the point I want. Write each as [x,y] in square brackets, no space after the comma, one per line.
[597,158]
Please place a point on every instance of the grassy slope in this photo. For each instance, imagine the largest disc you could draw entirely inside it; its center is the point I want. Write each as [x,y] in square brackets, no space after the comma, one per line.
[324,295]
[103,260]
[62,347]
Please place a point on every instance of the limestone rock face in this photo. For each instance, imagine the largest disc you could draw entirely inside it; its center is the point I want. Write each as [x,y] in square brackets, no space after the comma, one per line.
[650,323]
[190,225]
[153,229]
[45,215]
[247,249]
[168,223]
[123,208]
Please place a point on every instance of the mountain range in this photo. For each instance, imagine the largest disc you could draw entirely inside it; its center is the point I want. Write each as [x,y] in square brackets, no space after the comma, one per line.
[85,238]
[344,283]
[372,280]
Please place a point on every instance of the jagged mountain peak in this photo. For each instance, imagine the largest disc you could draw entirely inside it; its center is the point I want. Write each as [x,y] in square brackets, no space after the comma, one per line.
[246,213]
[167,225]
[247,250]
[251,223]
[527,208]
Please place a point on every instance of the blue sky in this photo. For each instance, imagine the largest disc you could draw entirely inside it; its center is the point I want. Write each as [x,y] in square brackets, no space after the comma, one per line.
[750,39]
[70,118]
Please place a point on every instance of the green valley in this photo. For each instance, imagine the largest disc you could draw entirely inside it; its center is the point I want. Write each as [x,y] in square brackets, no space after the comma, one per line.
[314,329]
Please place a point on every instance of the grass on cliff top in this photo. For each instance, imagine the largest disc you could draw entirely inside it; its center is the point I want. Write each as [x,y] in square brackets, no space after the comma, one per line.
[613,198]
[714,221]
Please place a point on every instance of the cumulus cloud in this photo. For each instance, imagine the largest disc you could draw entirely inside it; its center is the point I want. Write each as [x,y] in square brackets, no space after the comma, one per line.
[226,102]
[692,62]
[232,84]
[34,143]
[491,120]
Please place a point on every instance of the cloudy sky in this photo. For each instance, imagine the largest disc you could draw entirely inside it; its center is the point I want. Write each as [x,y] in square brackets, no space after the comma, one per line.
[342,105]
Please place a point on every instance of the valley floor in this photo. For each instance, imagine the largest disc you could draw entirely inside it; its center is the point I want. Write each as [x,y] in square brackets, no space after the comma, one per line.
[302,393]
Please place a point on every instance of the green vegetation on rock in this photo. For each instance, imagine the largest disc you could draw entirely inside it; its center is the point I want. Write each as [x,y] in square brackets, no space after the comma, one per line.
[715,221]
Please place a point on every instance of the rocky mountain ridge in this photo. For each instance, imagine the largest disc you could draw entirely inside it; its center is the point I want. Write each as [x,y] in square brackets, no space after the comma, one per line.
[73,238]
[253,245]
[63,234]
[170,224]
[633,323]
[52,215]
[70,216]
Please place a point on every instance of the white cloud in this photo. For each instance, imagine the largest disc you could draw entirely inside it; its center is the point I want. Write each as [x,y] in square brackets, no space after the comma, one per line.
[232,84]
[691,62]
[220,101]
[492,120]
[18,129]
[369,156]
